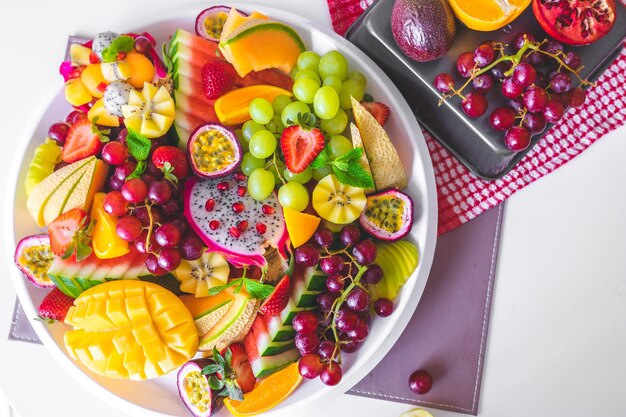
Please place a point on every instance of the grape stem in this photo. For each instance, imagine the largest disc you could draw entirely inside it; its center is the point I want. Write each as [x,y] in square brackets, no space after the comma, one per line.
[515,59]
[334,310]
[280,176]
[150,227]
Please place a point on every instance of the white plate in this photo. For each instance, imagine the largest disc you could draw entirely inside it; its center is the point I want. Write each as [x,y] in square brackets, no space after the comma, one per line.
[160,397]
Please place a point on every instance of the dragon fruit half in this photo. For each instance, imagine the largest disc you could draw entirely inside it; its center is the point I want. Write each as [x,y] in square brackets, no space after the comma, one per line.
[115,96]
[102,41]
[232,223]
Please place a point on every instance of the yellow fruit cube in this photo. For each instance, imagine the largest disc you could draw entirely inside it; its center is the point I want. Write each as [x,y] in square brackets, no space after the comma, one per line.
[76,93]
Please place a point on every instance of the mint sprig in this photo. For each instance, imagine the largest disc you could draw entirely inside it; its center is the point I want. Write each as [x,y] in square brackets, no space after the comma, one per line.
[347,167]
[101,133]
[222,378]
[139,147]
[253,287]
[123,44]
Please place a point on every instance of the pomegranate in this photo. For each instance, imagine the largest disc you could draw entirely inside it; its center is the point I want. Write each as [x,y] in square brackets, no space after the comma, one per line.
[575,22]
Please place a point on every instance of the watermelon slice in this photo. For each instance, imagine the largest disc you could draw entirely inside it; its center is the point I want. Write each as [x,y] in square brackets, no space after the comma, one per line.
[259,339]
[72,277]
[188,54]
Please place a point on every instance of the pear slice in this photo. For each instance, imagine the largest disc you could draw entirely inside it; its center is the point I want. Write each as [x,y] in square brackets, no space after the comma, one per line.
[387,169]
[58,183]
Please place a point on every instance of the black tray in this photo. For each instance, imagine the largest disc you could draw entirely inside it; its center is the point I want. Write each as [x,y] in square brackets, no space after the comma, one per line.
[473,141]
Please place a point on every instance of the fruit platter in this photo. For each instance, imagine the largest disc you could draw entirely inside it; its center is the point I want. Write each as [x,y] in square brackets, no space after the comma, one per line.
[224,210]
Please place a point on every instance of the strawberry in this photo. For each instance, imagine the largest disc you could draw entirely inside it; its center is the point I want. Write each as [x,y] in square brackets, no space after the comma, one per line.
[300,145]
[278,299]
[70,233]
[240,364]
[218,77]
[82,141]
[55,305]
[379,110]
[172,161]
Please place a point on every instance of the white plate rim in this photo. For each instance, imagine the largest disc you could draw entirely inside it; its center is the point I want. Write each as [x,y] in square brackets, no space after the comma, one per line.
[401,109]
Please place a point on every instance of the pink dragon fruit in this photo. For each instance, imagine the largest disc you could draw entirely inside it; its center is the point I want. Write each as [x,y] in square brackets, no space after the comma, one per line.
[231,222]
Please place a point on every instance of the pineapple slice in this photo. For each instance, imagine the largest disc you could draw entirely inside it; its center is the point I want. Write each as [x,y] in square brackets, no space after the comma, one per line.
[151,112]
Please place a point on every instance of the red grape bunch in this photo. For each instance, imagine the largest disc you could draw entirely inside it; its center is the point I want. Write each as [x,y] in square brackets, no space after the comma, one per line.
[148,206]
[342,321]
[534,98]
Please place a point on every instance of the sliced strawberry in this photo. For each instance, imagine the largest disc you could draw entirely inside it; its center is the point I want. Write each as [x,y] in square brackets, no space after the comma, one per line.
[278,299]
[241,366]
[379,110]
[175,157]
[300,146]
[218,77]
[55,305]
[69,234]
[81,142]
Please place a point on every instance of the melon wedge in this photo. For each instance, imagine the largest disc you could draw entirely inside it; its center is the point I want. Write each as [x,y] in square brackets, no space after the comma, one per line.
[233,326]
[236,19]
[232,107]
[258,44]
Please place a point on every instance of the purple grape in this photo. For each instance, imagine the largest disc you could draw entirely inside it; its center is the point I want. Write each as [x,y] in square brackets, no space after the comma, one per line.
[359,333]
[307,255]
[58,132]
[332,264]
[169,259]
[334,283]
[554,111]
[326,349]
[498,70]
[524,74]
[358,299]
[444,83]
[383,307]
[372,275]
[561,83]
[346,320]
[520,38]
[535,99]
[323,237]
[552,47]
[159,192]
[365,252]
[484,55]
[511,89]
[541,80]
[465,64]
[483,83]
[191,247]
[535,122]
[307,342]
[349,235]
[325,300]
[572,60]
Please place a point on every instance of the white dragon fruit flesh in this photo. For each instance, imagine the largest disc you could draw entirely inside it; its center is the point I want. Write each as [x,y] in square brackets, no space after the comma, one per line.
[115,96]
[230,222]
[102,41]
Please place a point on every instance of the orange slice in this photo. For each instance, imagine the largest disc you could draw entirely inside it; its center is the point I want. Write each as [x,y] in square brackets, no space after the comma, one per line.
[267,394]
[300,226]
[487,15]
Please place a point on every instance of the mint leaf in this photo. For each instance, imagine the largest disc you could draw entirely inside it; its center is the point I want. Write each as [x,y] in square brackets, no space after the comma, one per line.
[220,288]
[340,165]
[353,155]
[139,170]
[322,159]
[354,176]
[123,43]
[138,145]
[257,290]
[211,369]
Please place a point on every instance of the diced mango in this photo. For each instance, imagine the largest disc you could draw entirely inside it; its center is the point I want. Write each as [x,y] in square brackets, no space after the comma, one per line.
[119,334]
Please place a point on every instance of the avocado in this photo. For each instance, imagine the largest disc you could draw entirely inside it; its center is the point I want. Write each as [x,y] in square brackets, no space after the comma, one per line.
[423,29]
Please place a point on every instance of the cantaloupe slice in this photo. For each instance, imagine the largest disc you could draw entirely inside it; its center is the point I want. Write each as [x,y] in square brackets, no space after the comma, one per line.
[232,107]
[236,19]
[259,44]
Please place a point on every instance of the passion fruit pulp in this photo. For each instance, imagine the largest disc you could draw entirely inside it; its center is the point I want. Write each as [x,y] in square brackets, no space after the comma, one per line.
[214,151]
[210,22]
[33,257]
[194,390]
[388,215]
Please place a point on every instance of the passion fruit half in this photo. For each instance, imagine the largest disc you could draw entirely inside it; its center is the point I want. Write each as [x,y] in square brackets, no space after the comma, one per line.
[33,257]
[194,389]
[388,215]
[210,22]
[214,151]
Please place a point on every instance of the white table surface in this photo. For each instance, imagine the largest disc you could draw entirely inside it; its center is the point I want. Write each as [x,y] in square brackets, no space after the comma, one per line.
[558,329]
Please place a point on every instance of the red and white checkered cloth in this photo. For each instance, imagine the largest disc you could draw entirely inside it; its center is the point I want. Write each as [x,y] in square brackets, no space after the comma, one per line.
[463,196]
